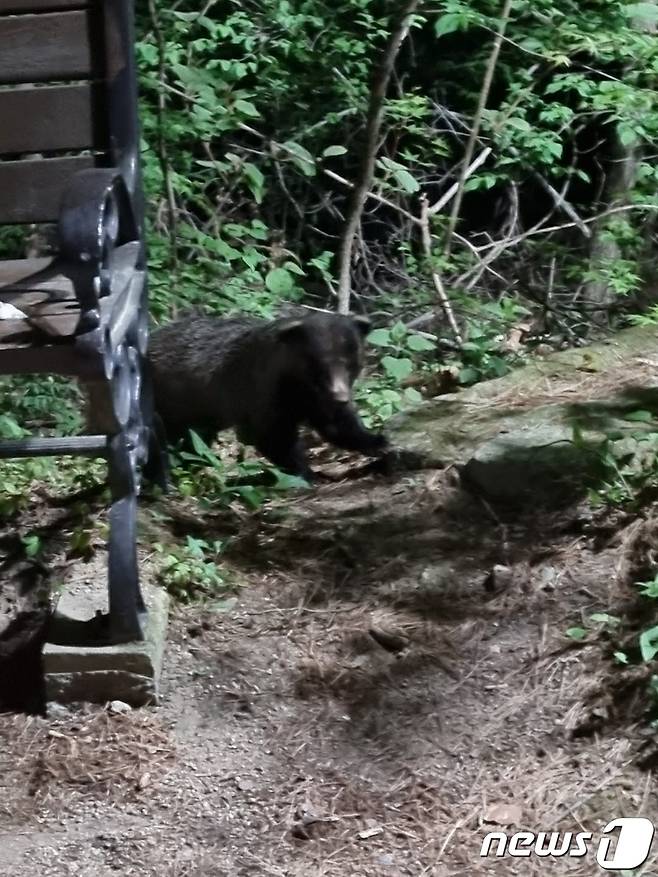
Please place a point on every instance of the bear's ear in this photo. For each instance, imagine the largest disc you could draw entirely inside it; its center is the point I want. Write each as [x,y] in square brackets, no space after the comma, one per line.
[362,323]
[291,330]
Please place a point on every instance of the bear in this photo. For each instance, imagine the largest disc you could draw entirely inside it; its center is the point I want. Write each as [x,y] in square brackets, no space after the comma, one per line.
[265,379]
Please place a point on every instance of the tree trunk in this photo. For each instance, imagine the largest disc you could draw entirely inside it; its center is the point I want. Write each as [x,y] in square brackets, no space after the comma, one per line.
[604,250]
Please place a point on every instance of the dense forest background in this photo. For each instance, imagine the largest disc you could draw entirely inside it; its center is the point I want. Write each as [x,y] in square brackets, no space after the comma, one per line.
[480,178]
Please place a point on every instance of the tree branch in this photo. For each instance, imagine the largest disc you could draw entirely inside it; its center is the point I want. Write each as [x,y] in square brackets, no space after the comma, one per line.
[444,301]
[373,127]
[477,121]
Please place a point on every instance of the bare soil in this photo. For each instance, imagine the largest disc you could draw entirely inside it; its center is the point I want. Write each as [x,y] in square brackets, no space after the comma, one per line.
[376,701]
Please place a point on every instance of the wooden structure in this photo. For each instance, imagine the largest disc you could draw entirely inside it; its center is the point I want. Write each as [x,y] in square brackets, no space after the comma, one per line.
[69,155]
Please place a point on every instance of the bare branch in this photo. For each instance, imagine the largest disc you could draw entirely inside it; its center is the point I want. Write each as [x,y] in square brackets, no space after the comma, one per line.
[373,128]
[334,176]
[562,204]
[444,301]
[477,121]
[452,191]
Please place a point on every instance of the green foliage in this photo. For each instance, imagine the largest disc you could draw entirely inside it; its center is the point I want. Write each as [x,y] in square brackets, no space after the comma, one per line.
[45,401]
[202,474]
[596,622]
[628,464]
[482,357]
[18,477]
[191,570]
[32,544]
[647,640]
[253,126]
[403,352]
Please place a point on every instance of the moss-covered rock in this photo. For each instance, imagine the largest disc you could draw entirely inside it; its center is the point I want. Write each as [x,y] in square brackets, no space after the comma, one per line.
[537,432]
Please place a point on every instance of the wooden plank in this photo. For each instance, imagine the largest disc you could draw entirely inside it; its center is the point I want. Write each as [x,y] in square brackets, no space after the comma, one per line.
[28,282]
[56,319]
[15,332]
[50,118]
[15,271]
[57,325]
[42,48]
[56,359]
[13,6]
[31,191]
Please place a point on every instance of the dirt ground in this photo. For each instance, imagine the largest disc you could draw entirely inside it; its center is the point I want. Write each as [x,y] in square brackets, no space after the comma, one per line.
[375,702]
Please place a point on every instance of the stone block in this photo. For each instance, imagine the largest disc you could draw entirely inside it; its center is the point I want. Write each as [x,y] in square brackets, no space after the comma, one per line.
[128,672]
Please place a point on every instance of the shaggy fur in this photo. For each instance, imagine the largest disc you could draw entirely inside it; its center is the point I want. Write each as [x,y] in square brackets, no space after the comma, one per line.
[265,379]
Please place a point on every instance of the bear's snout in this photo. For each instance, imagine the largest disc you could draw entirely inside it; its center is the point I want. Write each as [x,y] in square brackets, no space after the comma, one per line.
[340,389]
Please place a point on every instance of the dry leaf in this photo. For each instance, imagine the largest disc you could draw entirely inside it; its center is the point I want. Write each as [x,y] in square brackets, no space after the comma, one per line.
[503,814]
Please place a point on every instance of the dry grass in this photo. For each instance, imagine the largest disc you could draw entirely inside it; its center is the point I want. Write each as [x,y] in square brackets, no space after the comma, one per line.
[112,755]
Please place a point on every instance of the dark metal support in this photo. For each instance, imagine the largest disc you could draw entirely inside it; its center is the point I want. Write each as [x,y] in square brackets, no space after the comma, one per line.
[102,253]
[75,446]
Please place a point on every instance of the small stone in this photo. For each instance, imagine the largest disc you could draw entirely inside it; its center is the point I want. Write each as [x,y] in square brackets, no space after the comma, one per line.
[119,707]
[499,579]
[57,711]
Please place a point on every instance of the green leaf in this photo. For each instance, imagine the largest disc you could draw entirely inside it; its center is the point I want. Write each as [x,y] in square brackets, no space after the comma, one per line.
[604,618]
[398,331]
[627,135]
[649,589]
[256,179]
[333,150]
[200,447]
[397,367]
[408,183]
[639,416]
[246,108]
[279,281]
[412,395]
[621,657]
[576,633]
[649,644]
[300,156]
[294,268]
[468,375]
[9,428]
[448,23]
[419,343]
[32,545]
[380,337]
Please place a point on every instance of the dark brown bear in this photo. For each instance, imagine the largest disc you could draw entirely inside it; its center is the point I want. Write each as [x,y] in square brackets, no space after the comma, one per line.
[265,379]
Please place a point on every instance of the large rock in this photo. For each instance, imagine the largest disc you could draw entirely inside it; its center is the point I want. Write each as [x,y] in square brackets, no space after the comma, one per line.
[536,434]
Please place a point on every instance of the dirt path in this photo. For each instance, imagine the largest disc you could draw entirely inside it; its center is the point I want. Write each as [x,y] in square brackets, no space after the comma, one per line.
[291,741]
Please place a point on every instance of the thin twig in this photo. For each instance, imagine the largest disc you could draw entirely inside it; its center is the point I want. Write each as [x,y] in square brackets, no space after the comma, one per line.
[444,301]
[452,191]
[562,204]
